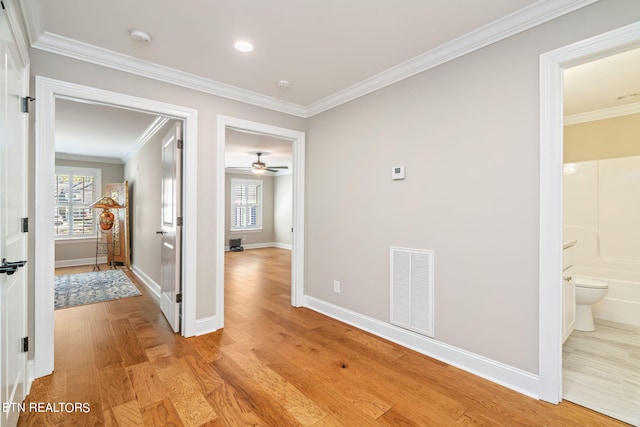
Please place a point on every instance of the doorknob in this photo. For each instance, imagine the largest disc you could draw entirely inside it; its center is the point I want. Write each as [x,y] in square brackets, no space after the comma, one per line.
[9,268]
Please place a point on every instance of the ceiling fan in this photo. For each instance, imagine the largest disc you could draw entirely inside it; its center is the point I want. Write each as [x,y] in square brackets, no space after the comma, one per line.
[259,167]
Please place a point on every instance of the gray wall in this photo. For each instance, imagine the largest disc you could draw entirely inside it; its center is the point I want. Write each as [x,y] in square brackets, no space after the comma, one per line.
[144,173]
[468,133]
[74,252]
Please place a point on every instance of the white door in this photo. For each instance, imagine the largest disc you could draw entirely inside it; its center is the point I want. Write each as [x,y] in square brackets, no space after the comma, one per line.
[170,272]
[13,241]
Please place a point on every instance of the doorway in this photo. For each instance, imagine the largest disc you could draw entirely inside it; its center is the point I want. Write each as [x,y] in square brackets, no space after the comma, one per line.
[259,204]
[600,168]
[297,140]
[552,65]
[47,91]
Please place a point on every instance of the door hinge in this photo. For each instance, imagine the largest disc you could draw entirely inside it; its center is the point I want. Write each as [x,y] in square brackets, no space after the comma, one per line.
[178,298]
[179,221]
[24,225]
[25,344]
[180,144]
[24,103]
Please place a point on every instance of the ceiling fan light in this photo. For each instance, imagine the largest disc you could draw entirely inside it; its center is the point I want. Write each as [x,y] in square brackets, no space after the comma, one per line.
[259,171]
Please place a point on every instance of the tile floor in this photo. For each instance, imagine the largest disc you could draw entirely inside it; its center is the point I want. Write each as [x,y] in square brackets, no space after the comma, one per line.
[601,370]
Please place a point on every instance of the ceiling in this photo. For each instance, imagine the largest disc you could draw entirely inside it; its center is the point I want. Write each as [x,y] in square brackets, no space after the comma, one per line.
[322,47]
[603,88]
[330,51]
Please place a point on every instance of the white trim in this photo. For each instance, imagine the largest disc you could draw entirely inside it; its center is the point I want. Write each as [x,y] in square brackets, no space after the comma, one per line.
[522,20]
[30,376]
[64,46]
[205,325]
[297,139]
[80,261]
[519,21]
[551,144]
[259,183]
[15,21]
[606,113]
[93,159]
[148,133]
[264,245]
[47,90]
[287,246]
[151,284]
[508,376]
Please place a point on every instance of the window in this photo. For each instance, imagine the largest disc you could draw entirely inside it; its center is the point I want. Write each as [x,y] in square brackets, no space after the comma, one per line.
[74,190]
[246,204]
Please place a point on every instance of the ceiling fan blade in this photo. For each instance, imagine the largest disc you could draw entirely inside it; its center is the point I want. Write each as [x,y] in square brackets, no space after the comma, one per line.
[238,167]
[279,167]
[272,170]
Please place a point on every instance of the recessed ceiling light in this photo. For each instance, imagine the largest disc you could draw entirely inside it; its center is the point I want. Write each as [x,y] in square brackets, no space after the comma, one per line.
[243,46]
[140,36]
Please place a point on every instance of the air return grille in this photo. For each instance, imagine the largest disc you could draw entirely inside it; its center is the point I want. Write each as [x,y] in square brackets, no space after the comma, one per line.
[412,289]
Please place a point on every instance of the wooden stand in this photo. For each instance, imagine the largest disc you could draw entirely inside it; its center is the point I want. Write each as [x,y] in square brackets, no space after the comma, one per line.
[104,248]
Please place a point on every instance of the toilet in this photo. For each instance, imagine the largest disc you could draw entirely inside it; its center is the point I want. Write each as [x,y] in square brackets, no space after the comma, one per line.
[588,292]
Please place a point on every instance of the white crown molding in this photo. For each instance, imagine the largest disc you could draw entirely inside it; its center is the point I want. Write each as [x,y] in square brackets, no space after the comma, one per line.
[153,128]
[17,23]
[606,113]
[85,52]
[83,158]
[529,17]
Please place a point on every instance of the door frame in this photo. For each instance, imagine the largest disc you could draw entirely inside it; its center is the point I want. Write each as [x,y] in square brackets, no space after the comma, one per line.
[297,139]
[47,91]
[552,65]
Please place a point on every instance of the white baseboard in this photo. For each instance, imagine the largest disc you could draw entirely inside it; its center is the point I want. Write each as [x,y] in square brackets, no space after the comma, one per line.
[282,245]
[264,245]
[205,325]
[505,375]
[618,310]
[148,281]
[79,261]
[31,371]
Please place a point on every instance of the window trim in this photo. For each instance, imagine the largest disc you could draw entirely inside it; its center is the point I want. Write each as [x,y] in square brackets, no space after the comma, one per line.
[260,204]
[78,170]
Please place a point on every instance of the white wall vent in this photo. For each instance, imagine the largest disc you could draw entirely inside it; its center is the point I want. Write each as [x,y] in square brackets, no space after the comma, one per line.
[412,289]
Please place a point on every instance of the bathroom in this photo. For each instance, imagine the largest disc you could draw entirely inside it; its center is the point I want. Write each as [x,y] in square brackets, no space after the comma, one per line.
[601,232]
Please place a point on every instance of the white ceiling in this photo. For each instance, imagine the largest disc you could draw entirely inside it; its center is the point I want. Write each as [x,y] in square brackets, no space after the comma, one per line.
[331,51]
[85,129]
[592,89]
[241,149]
[321,47]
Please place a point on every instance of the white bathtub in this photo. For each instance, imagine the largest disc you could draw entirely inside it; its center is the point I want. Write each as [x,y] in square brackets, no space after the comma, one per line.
[622,303]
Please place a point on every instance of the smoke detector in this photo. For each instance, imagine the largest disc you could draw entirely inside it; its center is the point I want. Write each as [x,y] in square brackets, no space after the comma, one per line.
[140,36]
[283,84]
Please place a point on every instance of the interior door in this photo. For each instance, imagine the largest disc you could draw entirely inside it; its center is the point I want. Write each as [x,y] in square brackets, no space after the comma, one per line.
[13,240]
[170,271]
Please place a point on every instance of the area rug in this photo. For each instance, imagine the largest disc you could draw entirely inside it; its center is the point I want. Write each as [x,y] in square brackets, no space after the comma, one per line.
[87,288]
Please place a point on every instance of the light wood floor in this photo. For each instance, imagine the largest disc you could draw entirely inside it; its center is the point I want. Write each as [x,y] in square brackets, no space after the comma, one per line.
[272,365]
[601,370]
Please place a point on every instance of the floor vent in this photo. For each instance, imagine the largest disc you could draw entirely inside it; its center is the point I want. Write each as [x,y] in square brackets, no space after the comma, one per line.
[412,289]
